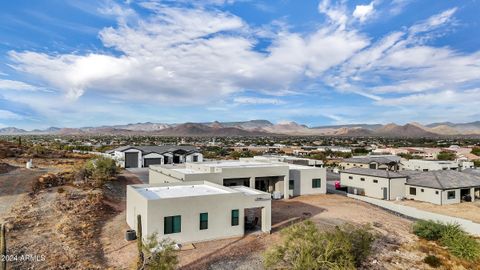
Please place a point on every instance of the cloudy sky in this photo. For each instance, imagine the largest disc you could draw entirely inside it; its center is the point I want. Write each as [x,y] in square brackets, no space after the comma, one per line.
[73,63]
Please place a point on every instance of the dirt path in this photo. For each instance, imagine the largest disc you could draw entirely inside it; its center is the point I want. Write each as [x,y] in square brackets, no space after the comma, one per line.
[466,210]
[118,253]
[13,185]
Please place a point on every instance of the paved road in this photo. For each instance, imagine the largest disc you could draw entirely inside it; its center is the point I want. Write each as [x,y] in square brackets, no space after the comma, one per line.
[141,173]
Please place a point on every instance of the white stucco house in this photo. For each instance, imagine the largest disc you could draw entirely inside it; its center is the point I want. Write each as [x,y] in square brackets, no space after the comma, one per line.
[189,212]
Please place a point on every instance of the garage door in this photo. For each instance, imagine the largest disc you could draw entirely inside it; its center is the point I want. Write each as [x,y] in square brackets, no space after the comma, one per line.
[131,160]
[152,161]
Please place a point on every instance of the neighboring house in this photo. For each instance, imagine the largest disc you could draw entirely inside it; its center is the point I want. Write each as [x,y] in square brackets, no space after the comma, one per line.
[189,212]
[379,184]
[434,165]
[287,159]
[377,162]
[438,187]
[442,187]
[265,175]
[144,156]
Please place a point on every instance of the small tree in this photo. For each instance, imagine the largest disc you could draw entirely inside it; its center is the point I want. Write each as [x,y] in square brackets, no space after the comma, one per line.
[161,254]
[100,170]
[444,155]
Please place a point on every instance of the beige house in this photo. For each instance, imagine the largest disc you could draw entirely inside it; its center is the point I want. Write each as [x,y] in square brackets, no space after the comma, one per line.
[379,184]
[268,176]
[442,187]
[188,212]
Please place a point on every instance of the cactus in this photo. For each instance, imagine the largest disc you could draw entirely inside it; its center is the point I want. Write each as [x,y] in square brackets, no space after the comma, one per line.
[3,247]
[140,242]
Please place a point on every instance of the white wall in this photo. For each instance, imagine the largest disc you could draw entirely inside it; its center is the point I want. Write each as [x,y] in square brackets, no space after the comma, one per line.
[303,180]
[374,190]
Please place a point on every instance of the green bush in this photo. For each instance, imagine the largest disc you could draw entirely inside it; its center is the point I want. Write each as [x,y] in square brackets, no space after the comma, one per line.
[433,261]
[305,247]
[428,229]
[458,242]
[99,170]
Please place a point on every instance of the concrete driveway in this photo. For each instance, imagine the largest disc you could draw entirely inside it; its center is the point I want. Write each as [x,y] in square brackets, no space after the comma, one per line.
[141,173]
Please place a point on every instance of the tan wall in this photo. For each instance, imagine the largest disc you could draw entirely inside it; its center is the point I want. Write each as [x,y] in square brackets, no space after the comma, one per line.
[374,190]
[218,208]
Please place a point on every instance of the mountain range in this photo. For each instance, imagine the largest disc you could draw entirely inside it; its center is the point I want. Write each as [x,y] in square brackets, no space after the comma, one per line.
[265,128]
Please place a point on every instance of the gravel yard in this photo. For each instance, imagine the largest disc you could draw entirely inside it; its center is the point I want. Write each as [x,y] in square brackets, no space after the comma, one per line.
[393,250]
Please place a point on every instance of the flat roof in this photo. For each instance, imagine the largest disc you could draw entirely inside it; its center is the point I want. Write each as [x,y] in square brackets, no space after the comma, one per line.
[246,190]
[243,164]
[153,193]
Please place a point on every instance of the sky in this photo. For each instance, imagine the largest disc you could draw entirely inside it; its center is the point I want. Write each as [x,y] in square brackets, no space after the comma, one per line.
[76,63]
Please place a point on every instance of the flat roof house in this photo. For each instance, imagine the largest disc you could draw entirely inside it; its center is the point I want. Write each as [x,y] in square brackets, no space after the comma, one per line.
[144,156]
[380,184]
[378,162]
[442,187]
[188,212]
[429,165]
[267,176]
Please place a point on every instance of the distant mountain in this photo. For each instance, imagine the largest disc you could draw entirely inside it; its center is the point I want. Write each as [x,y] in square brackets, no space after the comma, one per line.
[12,130]
[265,128]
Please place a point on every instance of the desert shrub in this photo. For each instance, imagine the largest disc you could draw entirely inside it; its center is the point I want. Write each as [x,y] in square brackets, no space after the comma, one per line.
[305,247]
[161,255]
[457,241]
[99,170]
[428,229]
[60,190]
[432,261]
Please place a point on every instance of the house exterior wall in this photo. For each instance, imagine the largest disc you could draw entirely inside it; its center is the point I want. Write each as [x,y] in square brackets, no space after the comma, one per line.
[189,158]
[429,195]
[217,206]
[140,157]
[428,165]
[303,180]
[136,205]
[374,190]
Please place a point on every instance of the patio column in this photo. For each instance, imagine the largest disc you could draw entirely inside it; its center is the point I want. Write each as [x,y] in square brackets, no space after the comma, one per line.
[472,194]
[266,220]
[286,191]
[252,182]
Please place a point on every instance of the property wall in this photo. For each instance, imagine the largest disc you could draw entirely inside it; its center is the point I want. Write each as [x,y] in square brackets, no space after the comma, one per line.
[218,208]
[372,189]
[467,225]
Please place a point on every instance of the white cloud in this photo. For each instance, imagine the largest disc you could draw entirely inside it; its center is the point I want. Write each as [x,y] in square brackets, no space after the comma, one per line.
[433,22]
[16,85]
[8,115]
[256,101]
[363,12]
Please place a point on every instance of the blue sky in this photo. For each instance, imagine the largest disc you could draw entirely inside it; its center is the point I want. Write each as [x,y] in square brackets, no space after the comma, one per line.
[80,63]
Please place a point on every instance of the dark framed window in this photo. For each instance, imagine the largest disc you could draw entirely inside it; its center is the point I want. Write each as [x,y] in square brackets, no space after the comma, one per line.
[451,195]
[235,217]
[413,191]
[422,190]
[362,179]
[195,158]
[203,221]
[316,182]
[425,170]
[375,181]
[172,224]
[373,166]
[436,192]
[291,184]
[350,177]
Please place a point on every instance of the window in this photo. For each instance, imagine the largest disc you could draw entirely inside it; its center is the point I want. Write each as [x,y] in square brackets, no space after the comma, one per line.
[451,195]
[350,177]
[172,224]
[195,158]
[316,182]
[291,184]
[203,221]
[373,166]
[413,191]
[362,179]
[375,181]
[425,170]
[235,214]
[436,192]
[422,190]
